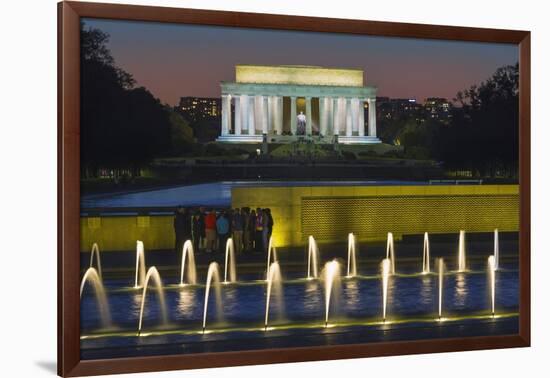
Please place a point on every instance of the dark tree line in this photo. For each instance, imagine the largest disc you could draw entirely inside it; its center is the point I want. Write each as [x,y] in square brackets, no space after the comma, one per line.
[484,133]
[122,126]
[482,136]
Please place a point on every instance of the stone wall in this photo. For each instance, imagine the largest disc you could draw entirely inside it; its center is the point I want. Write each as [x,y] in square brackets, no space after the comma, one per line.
[330,213]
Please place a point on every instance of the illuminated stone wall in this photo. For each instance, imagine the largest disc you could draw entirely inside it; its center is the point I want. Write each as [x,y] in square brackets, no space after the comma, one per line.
[329,213]
[299,75]
[119,233]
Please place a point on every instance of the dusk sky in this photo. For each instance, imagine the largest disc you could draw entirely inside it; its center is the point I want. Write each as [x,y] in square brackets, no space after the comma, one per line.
[182,60]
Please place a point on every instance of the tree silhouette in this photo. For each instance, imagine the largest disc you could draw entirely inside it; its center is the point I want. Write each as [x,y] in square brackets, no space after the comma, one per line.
[484,133]
[122,126]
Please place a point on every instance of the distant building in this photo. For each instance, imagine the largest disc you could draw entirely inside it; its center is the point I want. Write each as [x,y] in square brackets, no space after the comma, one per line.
[198,108]
[435,108]
[438,108]
[396,108]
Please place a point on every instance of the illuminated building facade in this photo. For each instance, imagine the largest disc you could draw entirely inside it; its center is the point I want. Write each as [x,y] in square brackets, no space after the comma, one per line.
[287,103]
[395,108]
[438,108]
[197,108]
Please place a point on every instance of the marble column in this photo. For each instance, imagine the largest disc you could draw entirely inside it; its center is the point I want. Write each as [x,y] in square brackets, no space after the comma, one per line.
[226,114]
[336,116]
[372,117]
[279,115]
[349,119]
[271,104]
[244,103]
[251,116]
[293,121]
[355,116]
[238,124]
[258,116]
[330,116]
[322,115]
[264,115]
[309,117]
[361,117]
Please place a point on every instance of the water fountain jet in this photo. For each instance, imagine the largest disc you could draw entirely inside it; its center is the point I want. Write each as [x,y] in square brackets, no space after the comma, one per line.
[153,274]
[352,263]
[426,255]
[213,275]
[95,252]
[230,262]
[440,276]
[462,251]
[496,249]
[331,278]
[92,276]
[140,265]
[390,252]
[491,265]
[274,284]
[386,271]
[271,251]
[188,253]
[312,258]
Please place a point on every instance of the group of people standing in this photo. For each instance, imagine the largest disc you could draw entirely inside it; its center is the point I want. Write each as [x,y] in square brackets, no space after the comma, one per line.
[210,229]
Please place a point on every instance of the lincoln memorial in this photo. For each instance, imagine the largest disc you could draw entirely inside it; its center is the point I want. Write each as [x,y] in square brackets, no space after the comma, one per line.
[290,103]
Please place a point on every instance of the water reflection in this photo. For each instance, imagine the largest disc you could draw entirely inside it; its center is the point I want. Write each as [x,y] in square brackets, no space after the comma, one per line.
[461,290]
[230,301]
[392,282]
[186,302]
[136,303]
[312,295]
[426,290]
[351,295]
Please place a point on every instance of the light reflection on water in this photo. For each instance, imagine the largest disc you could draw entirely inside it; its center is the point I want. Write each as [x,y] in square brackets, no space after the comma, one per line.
[460,289]
[136,303]
[427,291]
[229,295]
[312,295]
[352,297]
[187,302]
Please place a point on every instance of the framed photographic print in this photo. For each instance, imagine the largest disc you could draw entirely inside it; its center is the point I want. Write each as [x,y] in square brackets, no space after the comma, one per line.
[239,188]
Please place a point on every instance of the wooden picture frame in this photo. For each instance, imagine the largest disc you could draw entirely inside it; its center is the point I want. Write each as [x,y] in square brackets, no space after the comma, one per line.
[69,15]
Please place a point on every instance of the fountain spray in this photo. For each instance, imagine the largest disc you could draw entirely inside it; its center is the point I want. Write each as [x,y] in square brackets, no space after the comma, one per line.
[462,251]
[274,283]
[390,252]
[95,252]
[386,269]
[331,276]
[312,257]
[426,255]
[94,278]
[153,274]
[140,265]
[352,263]
[271,251]
[496,249]
[188,253]
[213,275]
[491,265]
[230,262]
[440,273]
